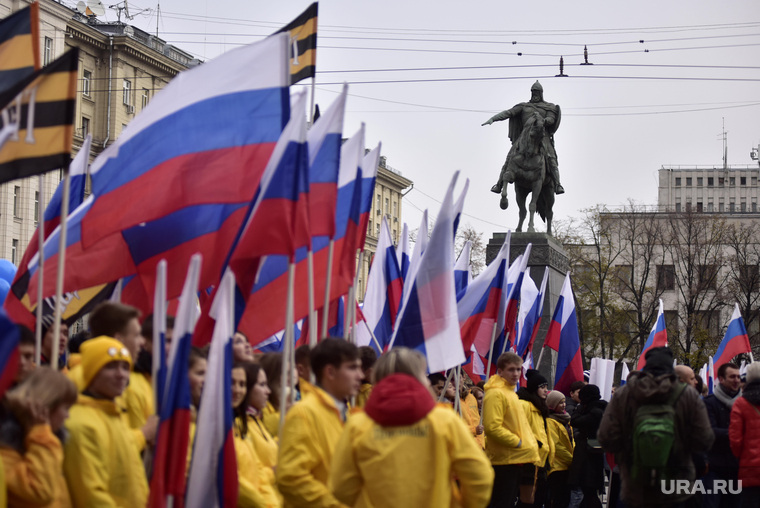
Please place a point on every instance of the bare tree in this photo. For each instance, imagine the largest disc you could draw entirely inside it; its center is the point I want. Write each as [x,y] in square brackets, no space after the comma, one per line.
[743,256]
[467,233]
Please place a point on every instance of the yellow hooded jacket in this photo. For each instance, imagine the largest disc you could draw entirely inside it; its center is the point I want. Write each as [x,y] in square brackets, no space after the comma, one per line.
[471,416]
[364,391]
[536,422]
[101,461]
[509,439]
[410,465]
[270,417]
[255,481]
[263,443]
[139,400]
[36,477]
[311,431]
[563,445]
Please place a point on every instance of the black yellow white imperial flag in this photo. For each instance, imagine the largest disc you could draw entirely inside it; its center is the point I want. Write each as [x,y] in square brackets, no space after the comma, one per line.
[303,44]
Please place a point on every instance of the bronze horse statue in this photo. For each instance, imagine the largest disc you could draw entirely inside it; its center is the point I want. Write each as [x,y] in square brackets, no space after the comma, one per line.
[526,168]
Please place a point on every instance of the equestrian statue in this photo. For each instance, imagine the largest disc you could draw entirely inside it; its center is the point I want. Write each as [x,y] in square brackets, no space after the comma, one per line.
[531,163]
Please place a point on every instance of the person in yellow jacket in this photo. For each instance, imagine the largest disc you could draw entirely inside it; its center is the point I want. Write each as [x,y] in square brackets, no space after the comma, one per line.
[101,461]
[406,450]
[533,400]
[255,480]
[561,433]
[270,415]
[471,416]
[368,357]
[510,443]
[31,427]
[314,425]
[264,445]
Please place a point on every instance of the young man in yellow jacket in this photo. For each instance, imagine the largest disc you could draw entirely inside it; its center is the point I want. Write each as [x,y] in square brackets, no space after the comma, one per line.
[101,460]
[510,443]
[314,425]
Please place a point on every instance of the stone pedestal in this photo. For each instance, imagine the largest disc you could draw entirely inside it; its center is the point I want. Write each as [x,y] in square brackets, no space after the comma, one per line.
[545,252]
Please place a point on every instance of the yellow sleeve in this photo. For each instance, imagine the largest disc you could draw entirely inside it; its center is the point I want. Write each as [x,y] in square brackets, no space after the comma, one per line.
[33,477]
[271,419]
[495,410]
[297,459]
[249,494]
[138,398]
[345,479]
[85,468]
[3,490]
[561,453]
[470,465]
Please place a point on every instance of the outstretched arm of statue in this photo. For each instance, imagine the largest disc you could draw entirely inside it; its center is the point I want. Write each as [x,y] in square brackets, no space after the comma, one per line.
[498,117]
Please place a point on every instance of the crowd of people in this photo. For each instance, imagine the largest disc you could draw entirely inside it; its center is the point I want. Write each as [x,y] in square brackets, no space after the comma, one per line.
[358,429]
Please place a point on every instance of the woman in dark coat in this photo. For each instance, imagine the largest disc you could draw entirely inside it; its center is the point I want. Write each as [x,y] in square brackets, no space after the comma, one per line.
[586,472]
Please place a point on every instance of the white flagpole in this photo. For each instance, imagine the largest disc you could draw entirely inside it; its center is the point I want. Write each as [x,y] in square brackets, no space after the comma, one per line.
[490,358]
[458,399]
[40,271]
[504,346]
[445,385]
[61,265]
[372,334]
[354,296]
[312,311]
[287,345]
[540,355]
[326,308]
[159,323]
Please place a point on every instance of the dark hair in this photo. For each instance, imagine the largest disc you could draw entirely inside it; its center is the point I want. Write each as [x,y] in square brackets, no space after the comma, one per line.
[700,385]
[331,351]
[111,318]
[508,358]
[723,368]
[241,412]
[577,385]
[27,337]
[196,354]
[272,365]
[302,355]
[436,377]
[76,341]
[368,356]
[147,326]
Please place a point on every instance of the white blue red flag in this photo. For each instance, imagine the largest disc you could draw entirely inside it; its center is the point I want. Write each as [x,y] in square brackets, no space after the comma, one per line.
[658,337]
[462,273]
[711,375]
[212,480]
[9,337]
[420,244]
[428,321]
[383,295]
[402,251]
[563,338]
[529,316]
[735,341]
[167,484]
[624,374]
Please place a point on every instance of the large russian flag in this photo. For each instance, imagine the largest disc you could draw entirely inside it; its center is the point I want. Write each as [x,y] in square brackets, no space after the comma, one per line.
[212,480]
[658,337]
[735,342]
[383,295]
[428,321]
[205,138]
[529,316]
[563,338]
[167,484]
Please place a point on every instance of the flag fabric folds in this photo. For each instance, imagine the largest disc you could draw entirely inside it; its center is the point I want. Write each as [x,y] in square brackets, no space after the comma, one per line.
[168,479]
[38,120]
[302,33]
[735,341]
[428,321]
[711,375]
[563,338]
[658,337]
[19,46]
[462,274]
[207,136]
[402,251]
[212,480]
[529,316]
[624,374]
[8,351]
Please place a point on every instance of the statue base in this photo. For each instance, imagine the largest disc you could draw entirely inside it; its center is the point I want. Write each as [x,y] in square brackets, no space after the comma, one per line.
[546,252]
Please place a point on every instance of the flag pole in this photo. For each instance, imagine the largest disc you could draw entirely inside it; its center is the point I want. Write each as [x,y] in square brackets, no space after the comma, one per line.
[288,343]
[372,334]
[312,311]
[540,355]
[61,265]
[40,271]
[504,346]
[446,384]
[490,358]
[326,308]
[458,400]
[354,297]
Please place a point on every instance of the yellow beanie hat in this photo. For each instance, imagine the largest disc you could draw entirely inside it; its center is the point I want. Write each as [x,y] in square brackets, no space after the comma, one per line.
[98,352]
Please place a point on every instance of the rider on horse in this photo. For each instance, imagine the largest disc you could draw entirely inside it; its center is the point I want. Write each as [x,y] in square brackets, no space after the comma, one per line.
[518,117]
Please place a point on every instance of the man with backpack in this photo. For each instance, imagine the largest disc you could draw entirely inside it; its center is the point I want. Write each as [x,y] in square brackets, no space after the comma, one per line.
[653,425]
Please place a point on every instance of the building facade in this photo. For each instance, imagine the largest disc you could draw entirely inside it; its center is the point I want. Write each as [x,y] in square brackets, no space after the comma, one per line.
[733,189]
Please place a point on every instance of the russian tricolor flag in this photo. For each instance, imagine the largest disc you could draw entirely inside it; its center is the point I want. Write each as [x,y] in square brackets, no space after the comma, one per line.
[711,375]
[531,310]
[402,251]
[428,320]
[8,351]
[563,338]
[383,295]
[167,485]
[213,479]
[735,342]
[462,274]
[658,337]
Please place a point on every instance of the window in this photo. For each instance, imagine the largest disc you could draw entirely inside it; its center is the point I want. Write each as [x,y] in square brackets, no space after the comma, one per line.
[721,181]
[36,206]
[85,126]
[721,207]
[14,251]
[379,205]
[387,205]
[678,207]
[753,181]
[688,182]
[688,206]
[710,181]
[47,56]
[16,201]
[749,276]
[86,80]
[699,181]
[678,182]
[743,205]
[699,207]
[732,207]
[731,181]
[395,209]
[377,229]
[144,100]
[666,277]
[623,275]
[710,207]
[743,180]
[754,204]
[127,87]
[706,276]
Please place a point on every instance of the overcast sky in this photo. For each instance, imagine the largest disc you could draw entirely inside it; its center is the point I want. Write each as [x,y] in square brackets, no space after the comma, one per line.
[619,125]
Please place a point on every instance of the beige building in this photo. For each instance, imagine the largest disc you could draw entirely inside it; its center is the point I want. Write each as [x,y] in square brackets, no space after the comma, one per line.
[733,189]
[120,69]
